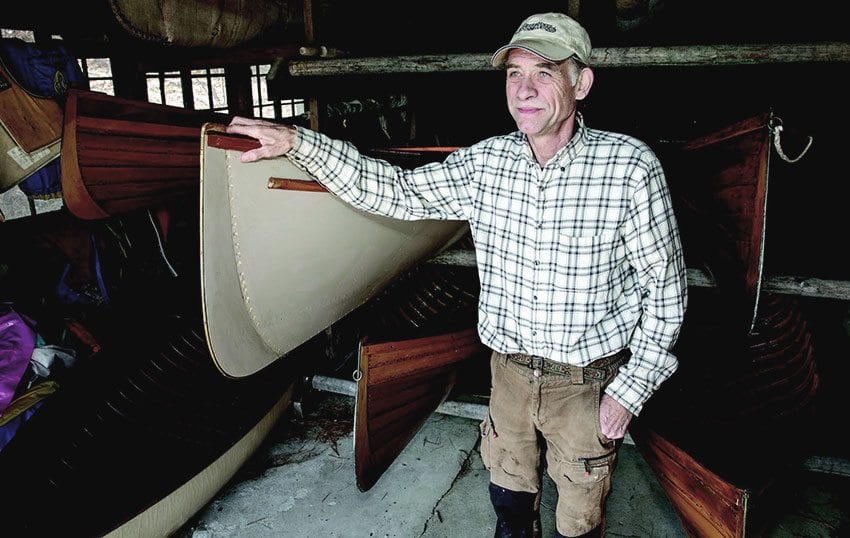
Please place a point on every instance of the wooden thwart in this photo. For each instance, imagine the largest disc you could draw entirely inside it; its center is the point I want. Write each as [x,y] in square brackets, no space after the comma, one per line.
[295,185]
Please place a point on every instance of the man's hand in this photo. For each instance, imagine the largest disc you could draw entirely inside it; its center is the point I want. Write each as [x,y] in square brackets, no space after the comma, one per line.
[275,139]
[613,418]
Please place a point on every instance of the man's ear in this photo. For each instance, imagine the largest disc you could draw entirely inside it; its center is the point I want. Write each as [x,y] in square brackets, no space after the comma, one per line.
[584,82]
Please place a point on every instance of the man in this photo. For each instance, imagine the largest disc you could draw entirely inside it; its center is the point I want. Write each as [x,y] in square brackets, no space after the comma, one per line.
[583,287]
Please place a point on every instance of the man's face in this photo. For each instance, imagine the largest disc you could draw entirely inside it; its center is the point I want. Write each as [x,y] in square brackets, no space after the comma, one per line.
[541,96]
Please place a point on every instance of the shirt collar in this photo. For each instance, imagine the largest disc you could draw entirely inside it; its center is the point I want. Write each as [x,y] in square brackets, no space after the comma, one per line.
[566,153]
[574,146]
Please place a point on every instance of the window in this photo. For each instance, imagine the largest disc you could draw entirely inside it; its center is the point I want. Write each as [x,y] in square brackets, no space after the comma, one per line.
[198,89]
[209,91]
[264,107]
[98,71]
[24,35]
[165,88]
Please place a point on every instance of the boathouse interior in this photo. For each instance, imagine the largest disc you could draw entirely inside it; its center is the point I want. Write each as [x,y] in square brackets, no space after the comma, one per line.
[766,346]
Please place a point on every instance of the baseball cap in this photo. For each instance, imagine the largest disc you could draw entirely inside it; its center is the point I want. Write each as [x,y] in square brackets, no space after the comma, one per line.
[553,36]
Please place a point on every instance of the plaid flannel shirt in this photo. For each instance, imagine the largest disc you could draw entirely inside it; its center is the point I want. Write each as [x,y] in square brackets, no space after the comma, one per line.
[577,259]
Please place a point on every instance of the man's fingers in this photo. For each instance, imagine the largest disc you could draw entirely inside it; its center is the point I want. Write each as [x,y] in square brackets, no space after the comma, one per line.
[241,128]
[275,139]
[240,120]
[249,156]
[260,153]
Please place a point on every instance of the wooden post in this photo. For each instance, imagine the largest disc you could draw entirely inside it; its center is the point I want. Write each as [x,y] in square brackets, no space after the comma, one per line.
[237,79]
[310,39]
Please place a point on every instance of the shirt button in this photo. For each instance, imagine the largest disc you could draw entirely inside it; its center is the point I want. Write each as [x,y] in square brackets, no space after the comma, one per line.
[533,333]
[535,297]
[563,169]
[536,262]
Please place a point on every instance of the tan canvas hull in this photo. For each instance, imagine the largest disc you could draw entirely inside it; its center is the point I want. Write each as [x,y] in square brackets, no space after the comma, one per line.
[279,265]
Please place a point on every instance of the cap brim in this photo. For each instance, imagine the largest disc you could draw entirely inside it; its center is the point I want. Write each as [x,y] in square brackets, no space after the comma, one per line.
[544,50]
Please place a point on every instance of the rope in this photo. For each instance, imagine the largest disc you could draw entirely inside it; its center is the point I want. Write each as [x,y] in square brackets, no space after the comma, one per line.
[776,127]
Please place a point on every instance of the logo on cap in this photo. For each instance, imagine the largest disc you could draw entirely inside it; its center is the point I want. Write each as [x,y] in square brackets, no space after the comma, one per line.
[528,27]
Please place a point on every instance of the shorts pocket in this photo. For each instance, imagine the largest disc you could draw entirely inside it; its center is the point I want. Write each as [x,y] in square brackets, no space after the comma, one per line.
[588,470]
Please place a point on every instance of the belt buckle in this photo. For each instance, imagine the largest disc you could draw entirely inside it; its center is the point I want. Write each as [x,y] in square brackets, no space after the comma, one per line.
[536,364]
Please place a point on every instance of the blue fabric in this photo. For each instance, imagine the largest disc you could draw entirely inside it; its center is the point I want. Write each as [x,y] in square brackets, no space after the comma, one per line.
[44,69]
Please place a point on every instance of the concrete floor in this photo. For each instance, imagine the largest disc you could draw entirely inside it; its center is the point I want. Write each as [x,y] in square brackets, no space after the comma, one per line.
[301,484]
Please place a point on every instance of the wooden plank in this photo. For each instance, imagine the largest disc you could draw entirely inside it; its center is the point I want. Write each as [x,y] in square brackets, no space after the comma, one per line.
[135,143]
[99,175]
[143,159]
[165,185]
[153,130]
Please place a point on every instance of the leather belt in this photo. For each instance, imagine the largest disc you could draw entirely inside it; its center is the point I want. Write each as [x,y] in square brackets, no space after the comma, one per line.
[598,369]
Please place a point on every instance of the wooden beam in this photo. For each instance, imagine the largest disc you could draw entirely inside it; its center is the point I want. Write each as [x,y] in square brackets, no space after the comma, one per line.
[672,56]
[808,287]
[786,285]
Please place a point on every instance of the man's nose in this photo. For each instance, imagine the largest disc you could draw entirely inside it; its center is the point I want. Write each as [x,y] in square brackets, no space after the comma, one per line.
[526,88]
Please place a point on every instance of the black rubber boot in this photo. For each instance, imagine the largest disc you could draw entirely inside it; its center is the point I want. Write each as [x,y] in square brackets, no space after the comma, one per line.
[515,514]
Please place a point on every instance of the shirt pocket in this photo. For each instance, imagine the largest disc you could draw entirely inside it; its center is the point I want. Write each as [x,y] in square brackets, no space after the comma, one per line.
[583,263]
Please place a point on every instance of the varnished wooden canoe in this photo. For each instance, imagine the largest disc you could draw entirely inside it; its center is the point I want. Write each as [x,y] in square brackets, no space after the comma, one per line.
[400,384]
[726,429]
[121,155]
[282,259]
[732,421]
[721,183]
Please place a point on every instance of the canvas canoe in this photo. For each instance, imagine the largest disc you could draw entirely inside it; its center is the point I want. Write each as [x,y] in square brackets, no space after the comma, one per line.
[282,258]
